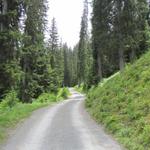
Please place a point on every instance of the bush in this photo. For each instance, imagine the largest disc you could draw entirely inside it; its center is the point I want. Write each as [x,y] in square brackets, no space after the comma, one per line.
[10,100]
[80,88]
[52,97]
[62,93]
[46,98]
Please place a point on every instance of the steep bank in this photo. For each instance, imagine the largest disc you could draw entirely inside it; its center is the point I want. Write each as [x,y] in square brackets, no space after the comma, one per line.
[122,104]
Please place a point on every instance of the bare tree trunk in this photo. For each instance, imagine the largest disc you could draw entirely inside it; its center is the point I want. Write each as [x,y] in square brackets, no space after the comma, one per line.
[25,81]
[121,59]
[99,62]
[3,12]
[120,44]
[132,55]
[4,6]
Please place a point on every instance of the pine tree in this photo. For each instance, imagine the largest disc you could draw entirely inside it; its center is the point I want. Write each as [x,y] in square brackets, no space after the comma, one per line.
[67,63]
[129,27]
[33,59]
[53,42]
[9,45]
[56,56]
[101,33]
[83,45]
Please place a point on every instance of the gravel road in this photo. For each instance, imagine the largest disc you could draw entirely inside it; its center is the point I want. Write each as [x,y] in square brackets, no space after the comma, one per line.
[65,126]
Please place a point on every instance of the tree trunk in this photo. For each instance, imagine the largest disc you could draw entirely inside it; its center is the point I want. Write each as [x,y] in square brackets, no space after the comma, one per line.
[120,38]
[99,62]
[24,80]
[3,12]
[26,70]
[121,59]
[4,6]
[132,55]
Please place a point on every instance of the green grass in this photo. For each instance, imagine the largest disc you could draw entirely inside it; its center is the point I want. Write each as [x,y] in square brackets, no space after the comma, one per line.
[12,112]
[10,117]
[122,105]
[82,88]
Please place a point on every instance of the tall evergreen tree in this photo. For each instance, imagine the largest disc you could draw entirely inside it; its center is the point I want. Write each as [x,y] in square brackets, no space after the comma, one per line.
[53,42]
[56,55]
[32,63]
[9,45]
[83,44]
[101,22]
[66,66]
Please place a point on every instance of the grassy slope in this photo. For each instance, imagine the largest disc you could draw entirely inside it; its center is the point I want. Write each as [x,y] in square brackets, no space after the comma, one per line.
[9,117]
[122,104]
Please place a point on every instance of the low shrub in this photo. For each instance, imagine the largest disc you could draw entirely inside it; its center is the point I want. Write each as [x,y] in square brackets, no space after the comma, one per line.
[82,88]
[46,98]
[10,100]
[63,93]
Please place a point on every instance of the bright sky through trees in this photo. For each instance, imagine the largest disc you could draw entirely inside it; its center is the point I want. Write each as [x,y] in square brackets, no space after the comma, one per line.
[68,17]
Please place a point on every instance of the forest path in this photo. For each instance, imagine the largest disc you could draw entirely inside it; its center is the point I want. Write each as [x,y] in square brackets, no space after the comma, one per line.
[65,126]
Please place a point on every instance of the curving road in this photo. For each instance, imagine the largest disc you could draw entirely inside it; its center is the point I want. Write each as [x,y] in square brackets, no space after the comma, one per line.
[65,126]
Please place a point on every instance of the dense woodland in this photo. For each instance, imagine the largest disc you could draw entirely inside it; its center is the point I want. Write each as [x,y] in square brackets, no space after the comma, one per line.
[120,35]
[31,65]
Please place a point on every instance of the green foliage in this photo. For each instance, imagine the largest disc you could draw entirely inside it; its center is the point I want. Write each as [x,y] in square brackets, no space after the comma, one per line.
[13,73]
[70,66]
[118,35]
[63,93]
[10,77]
[10,37]
[10,100]
[46,98]
[29,64]
[122,104]
[84,54]
[82,88]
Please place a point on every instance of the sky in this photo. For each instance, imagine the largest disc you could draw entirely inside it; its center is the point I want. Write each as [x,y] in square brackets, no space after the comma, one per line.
[68,18]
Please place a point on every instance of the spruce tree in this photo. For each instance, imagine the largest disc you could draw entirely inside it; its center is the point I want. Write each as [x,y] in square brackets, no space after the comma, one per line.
[56,57]
[101,33]
[67,63]
[33,58]
[9,45]
[83,45]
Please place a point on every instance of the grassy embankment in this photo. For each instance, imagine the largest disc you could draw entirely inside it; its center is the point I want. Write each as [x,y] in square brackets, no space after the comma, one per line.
[122,104]
[12,111]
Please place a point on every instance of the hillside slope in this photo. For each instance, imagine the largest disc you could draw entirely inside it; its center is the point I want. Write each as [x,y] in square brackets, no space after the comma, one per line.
[122,104]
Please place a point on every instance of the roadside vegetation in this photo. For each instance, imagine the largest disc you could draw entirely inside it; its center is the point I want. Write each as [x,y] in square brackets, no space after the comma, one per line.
[81,88]
[13,111]
[122,104]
